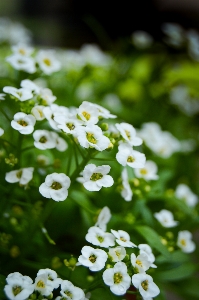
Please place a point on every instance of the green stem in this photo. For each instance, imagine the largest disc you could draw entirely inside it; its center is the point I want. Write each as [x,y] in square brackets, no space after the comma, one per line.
[45,232]
[133,293]
[27,148]
[5,115]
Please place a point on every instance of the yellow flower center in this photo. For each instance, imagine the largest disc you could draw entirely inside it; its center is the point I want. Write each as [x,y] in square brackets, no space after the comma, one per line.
[16,290]
[139,263]
[130,159]
[56,185]
[117,277]
[96,176]
[128,134]
[90,137]
[93,258]
[100,239]
[145,284]
[123,239]
[143,171]
[86,115]
[22,123]
[43,140]
[47,62]
[71,126]
[19,173]
[183,242]
[41,284]
[22,51]
[69,294]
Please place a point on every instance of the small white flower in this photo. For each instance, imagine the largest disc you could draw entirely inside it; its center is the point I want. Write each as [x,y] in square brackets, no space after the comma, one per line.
[148,172]
[23,176]
[71,292]
[184,193]
[146,249]
[123,238]
[94,259]
[18,287]
[88,113]
[21,62]
[1,131]
[103,218]
[43,285]
[103,112]
[165,218]
[141,263]
[47,61]
[2,96]
[144,283]
[94,178]
[54,110]
[117,278]
[22,49]
[37,112]
[47,96]
[45,139]
[185,242]
[52,278]
[55,186]
[126,192]
[61,144]
[23,123]
[21,94]
[67,123]
[98,237]
[128,133]
[132,158]
[117,254]
[30,85]
[142,39]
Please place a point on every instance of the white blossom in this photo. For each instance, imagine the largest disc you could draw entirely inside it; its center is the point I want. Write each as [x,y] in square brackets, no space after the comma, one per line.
[21,94]
[23,176]
[149,172]
[22,49]
[88,113]
[71,292]
[92,136]
[23,123]
[165,218]
[128,133]
[2,96]
[98,237]
[142,39]
[67,123]
[141,263]
[117,278]
[123,238]
[30,85]
[132,158]
[47,96]
[21,62]
[18,287]
[184,241]
[103,112]
[103,218]
[47,61]
[55,186]
[43,285]
[54,110]
[146,249]
[126,192]
[183,192]
[37,112]
[94,259]
[52,278]
[117,254]
[94,178]
[1,131]
[61,144]
[144,283]
[45,139]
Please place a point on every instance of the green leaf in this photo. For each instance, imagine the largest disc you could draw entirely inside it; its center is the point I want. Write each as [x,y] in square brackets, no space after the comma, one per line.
[153,239]
[183,271]
[176,256]
[81,199]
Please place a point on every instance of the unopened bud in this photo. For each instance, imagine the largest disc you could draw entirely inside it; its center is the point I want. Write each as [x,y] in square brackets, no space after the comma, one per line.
[104,126]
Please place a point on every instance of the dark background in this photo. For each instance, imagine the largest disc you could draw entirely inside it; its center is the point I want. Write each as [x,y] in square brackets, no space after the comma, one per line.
[70,23]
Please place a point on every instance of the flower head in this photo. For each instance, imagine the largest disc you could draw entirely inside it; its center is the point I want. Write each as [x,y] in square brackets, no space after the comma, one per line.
[165,218]
[141,263]
[98,237]
[123,238]
[149,172]
[23,176]
[103,218]
[184,193]
[132,158]
[23,123]
[47,61]
[185,242]
[144,283]
[126,192]
[117,254]
[128,133]
[94,259]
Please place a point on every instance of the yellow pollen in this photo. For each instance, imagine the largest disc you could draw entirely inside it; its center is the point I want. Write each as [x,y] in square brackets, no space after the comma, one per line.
[143,171]
[183,242]
[128,134]
[56,185]
[93,258]
[117,253]
[100,239]
[16,290]
[145,284]
[22,51]
[41,284]
[139,263]
[86,115]
[47,62]
[123,239]
[43,140]
[19,173]
[117,277]
[69,294]
[22,123]
[130,159]
[90,137]
[71,126]
[96,176]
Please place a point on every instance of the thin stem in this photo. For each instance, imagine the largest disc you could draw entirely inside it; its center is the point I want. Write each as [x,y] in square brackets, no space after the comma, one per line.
[27,148]
[130,292]
[76,157]
[5,115]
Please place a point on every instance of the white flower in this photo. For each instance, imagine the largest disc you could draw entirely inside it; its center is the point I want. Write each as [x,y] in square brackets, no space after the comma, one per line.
[52,111]
[146,249]
[21,94]
[71,292]
[55,186]
[92,136]
[98,237]
[45,139]
[146,286]
[117,278]
[142,39]
[88,113]
[184,193]
[61,144]
[37,112]
[2,96]
[30,85]
[141,263]
[47,96]
[47,61]
[126,192]
[23,176]
[148,172]
[51,277]
[94,178]
[21,62]
[184,241]
[117,254]
[103,112]
[23,123]
[127,156]
[67,123]
[165,218]
[123,238]
[103,218]
[18,287]
[1,131]
[128,133]
[22,49]
[94,259]
[175,34]
[43,285]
